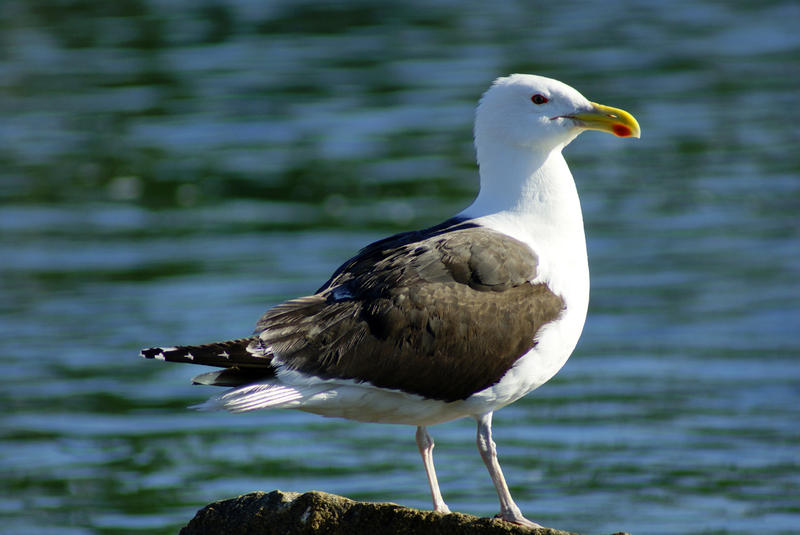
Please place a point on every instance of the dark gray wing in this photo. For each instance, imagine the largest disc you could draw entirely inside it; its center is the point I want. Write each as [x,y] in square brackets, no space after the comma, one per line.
[442,313]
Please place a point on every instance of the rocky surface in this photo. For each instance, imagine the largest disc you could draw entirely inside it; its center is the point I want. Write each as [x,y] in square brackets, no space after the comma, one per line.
[319,513]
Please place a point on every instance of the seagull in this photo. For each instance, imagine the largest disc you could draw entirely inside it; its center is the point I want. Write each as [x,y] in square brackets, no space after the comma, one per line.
[456,320]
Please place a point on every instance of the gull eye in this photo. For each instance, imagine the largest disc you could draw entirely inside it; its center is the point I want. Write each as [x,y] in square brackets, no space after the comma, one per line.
[539,99]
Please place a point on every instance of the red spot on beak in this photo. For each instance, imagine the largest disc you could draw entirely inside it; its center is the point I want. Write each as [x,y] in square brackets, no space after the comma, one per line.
[621,130]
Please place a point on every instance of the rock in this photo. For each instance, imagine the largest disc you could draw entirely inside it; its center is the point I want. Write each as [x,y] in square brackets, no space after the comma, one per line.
[319,513]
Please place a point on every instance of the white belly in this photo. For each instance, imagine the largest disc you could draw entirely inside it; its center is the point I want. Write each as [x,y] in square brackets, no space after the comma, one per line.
[366,403]
[556,342]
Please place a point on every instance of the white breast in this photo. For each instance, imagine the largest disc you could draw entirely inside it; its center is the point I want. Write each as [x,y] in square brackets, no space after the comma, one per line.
[563,266]
[550,222]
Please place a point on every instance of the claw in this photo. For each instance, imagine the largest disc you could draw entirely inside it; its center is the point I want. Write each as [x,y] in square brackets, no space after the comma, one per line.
[518,519]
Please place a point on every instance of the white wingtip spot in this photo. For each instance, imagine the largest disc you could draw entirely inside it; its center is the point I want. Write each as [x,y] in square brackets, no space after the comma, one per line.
[189,356]
[160,356]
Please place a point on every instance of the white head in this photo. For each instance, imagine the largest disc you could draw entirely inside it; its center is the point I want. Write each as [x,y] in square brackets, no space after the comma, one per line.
[542,114]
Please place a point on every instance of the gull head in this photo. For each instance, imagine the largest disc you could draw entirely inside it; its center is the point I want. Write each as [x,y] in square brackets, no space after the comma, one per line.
[542,114]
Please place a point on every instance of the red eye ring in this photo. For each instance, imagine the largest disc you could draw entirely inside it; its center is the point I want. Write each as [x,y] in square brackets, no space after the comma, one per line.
[539,99]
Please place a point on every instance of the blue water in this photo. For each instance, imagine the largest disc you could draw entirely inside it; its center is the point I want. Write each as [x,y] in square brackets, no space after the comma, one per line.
[170,170]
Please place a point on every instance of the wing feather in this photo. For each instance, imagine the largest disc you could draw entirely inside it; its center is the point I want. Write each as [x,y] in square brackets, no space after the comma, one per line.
[416,311]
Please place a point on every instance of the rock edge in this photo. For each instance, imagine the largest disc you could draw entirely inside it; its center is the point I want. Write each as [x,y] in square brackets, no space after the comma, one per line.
[320,513]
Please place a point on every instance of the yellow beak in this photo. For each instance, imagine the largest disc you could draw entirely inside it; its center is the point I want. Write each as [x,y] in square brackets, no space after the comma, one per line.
[608,119]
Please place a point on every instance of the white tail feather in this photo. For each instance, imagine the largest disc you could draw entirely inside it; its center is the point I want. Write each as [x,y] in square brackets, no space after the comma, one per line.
[258,396]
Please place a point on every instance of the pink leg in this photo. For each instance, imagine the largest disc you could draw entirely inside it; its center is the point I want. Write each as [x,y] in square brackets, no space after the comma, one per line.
[486,446]
[425,445]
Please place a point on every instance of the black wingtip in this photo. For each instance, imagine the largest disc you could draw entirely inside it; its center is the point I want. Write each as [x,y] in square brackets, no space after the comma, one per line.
[154,353]
[225,354]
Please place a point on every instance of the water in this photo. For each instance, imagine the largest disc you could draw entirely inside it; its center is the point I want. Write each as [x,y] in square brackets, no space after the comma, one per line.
[170,170]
